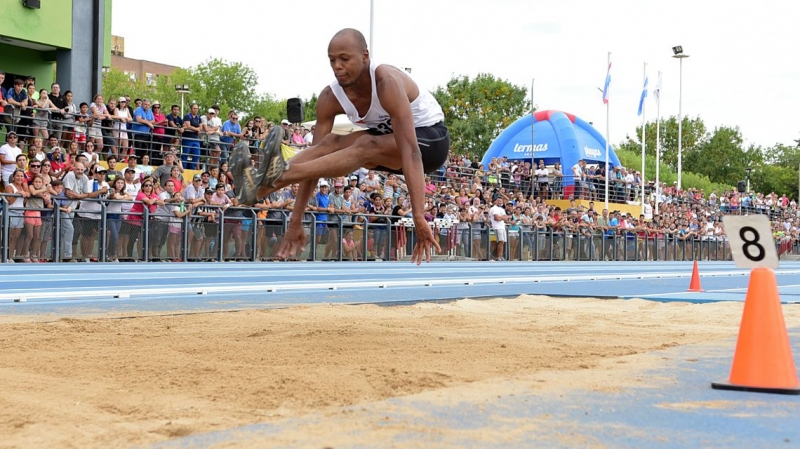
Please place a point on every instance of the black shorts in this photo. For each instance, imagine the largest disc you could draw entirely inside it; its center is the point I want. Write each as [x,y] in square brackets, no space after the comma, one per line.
[434,144]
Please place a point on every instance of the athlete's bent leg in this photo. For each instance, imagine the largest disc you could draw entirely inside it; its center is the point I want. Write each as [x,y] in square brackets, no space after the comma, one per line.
[368,151]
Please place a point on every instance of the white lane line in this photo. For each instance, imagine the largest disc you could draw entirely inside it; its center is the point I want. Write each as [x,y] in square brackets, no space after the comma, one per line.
[718,290]
[267,274]
[143,290]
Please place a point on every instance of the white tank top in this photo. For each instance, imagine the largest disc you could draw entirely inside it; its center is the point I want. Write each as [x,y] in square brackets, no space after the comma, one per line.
[20,202]
[424,108]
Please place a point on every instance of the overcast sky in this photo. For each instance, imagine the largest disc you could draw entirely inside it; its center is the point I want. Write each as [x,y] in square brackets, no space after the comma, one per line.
[743,68]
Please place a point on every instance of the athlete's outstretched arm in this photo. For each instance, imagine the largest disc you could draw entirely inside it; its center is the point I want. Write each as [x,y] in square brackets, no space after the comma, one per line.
[294,240]
[394,98]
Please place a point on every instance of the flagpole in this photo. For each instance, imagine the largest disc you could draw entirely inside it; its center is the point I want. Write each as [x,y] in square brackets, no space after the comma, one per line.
[658,140]
[608,173]
[533,145]
[644,127]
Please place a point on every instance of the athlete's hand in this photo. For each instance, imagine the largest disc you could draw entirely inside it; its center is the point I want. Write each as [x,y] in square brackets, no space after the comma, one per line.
[425,243]
[293,241]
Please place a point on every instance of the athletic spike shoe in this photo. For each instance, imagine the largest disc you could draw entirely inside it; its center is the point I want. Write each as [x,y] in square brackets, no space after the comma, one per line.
[271,165]
[241,167]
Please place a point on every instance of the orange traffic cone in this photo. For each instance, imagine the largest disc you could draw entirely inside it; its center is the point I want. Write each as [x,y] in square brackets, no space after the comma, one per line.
[694,284]
[763,359]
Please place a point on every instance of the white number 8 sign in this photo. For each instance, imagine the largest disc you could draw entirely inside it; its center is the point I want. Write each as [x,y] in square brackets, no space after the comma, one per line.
[752,245]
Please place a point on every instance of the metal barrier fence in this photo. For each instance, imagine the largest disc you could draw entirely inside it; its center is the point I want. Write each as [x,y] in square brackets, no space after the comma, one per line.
[241,234]
[205,150]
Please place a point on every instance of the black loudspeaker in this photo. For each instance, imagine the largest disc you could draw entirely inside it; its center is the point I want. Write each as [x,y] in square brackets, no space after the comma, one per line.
[741,186]
[294,110]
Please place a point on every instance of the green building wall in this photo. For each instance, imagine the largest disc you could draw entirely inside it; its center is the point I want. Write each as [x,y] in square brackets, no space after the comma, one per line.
[50,25]
[68,28]
[28,62]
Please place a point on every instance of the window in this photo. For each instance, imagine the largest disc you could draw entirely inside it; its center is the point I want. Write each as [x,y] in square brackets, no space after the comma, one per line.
[150,79]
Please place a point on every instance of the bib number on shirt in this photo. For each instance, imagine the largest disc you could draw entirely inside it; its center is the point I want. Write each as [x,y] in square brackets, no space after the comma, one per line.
[385,127]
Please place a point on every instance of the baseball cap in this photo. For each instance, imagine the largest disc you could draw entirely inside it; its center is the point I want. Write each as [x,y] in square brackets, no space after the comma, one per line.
[337,184]
[209,191]
[121,99]
[324,183]
[130,170]
[285,122]
[197,177]
[354,178]
[212,111]
[99,169]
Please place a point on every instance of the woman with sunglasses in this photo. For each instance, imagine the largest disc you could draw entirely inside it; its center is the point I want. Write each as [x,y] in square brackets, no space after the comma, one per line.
[114,210]
[109,127]
[47,175]
[161,142]
[91,157]
[44,107]
[147,197]
[15,185]
[122,118]
[39,199]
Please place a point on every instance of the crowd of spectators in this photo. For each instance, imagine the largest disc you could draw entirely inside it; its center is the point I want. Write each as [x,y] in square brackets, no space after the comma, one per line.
[122,159]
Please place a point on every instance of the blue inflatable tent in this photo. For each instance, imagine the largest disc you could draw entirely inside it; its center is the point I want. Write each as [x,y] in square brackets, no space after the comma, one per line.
[558,137]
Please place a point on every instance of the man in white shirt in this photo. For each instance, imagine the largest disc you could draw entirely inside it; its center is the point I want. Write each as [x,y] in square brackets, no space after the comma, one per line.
[89,213]
[194,192]
[213,128]
[8,157]
[577,176]
[629,178]
[542,178]
[371,182]
[498,216]
[159,226]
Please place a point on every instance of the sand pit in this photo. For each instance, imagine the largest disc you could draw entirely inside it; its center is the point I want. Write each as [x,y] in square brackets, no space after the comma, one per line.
[117,382]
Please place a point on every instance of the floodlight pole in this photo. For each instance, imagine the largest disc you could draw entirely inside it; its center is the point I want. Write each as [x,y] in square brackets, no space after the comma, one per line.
[680,57]
[533,122]
[371,26]
[607,137]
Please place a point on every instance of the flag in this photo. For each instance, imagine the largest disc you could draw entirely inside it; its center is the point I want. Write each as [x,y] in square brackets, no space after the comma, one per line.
[608,82]
[644,95]
[657,89]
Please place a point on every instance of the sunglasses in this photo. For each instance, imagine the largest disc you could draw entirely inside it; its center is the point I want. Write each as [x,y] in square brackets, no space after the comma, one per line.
[147,185]
[36,166]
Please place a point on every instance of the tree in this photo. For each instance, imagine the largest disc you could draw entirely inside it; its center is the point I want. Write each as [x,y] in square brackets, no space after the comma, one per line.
[117,84]
[778,171]
[231,85]
[721,157]
[477,110]
[693,135]
[310,108]
[783,155]
[270,108]
[772,178]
